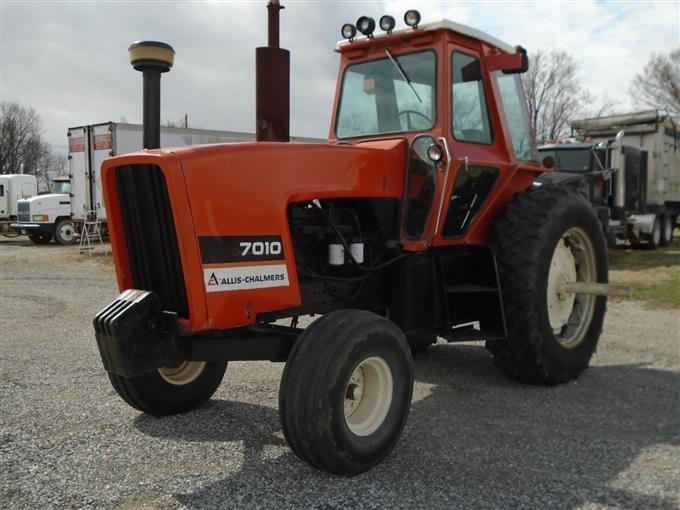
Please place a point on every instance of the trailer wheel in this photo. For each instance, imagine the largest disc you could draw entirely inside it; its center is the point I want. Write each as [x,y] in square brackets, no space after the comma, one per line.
[39,238]
[654,239]
[667,225]
[547,237]
[171,390]
[346,391]
[64,232]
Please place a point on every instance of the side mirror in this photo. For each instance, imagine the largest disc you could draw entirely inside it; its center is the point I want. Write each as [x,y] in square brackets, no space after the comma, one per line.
[509,63]
[548,162]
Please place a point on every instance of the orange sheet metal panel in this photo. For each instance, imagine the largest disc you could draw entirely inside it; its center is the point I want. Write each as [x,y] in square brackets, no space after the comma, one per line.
[244,190]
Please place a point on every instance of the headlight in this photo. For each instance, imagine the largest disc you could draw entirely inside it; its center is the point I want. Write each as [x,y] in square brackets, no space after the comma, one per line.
[41,217]
[366,25]
[348,31]
[412,18]
[387,23]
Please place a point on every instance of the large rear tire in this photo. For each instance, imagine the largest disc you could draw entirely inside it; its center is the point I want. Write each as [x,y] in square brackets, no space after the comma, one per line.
[171,390]
[547,237]
[346,391]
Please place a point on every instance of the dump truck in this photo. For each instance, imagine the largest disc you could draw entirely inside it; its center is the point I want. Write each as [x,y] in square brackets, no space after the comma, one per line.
[416,220]
[13,188]
[643,152]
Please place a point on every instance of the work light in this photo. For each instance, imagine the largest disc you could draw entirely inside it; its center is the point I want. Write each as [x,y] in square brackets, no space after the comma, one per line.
[349,31]
[366,26]
[412,18]
[387,23]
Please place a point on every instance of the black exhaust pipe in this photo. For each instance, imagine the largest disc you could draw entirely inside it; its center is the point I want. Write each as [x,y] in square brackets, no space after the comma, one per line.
[272,77]
[151,58]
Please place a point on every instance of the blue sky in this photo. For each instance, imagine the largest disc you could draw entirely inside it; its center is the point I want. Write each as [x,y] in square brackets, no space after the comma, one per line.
[68,60]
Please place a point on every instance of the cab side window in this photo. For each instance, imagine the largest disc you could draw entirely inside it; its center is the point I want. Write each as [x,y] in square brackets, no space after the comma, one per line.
[470,113]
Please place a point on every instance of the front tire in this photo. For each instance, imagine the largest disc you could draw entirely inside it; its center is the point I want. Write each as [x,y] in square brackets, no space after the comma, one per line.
[171,390]
[64,232]
[547,237]
[346,391]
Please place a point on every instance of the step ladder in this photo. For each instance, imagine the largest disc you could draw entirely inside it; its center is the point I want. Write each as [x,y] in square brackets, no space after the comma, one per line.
[91,234]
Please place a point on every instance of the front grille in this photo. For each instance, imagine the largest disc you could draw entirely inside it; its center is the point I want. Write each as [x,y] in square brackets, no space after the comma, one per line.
[23,212]
[150,235]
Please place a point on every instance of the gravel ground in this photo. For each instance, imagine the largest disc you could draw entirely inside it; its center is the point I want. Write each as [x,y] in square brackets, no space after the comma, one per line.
[474,439]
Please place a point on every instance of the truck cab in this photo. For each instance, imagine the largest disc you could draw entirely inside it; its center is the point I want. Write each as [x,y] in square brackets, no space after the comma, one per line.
[48,216]
[13,189]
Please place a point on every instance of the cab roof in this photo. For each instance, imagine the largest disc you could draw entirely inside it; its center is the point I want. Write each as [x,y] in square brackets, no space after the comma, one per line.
[444,24]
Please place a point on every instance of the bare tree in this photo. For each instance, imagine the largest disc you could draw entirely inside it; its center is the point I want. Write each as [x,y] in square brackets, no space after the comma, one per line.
[22,147]
[658,86]
[553,94]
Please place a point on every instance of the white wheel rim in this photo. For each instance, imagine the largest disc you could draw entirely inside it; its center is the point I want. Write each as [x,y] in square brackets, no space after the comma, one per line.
[184,373]
[66,232]
[573,261]
[368,396]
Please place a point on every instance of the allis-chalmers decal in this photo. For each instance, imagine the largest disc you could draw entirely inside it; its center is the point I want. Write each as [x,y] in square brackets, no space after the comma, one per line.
[234,249]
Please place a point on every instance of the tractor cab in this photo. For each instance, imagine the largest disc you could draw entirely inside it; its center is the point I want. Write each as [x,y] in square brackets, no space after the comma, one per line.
[434,86]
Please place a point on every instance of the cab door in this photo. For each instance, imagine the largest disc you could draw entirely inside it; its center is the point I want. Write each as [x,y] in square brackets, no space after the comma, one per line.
[478,155]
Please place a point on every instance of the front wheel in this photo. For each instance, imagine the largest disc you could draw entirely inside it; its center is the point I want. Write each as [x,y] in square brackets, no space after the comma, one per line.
[64,232]
[171,390]
[549,237]
[346,391]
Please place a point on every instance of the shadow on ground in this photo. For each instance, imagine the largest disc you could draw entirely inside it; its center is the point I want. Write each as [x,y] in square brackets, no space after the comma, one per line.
[474,439]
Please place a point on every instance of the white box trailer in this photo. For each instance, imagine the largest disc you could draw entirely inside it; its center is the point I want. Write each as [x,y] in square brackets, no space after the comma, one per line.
[654,187]
[14,187]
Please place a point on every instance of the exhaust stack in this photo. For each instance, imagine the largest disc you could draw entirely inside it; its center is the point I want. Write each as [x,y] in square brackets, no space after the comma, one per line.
[272,77]
[151,58]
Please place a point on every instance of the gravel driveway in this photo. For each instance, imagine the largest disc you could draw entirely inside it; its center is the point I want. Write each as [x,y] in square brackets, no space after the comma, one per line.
[474,438]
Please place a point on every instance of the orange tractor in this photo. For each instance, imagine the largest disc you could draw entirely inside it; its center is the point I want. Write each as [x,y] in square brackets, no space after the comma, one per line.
[418,219]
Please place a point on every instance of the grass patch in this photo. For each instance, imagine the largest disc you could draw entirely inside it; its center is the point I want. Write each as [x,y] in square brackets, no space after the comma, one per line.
[654,275]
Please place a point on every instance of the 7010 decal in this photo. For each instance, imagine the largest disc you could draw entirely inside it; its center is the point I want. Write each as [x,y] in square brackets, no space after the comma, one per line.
[258,248]
[226,249]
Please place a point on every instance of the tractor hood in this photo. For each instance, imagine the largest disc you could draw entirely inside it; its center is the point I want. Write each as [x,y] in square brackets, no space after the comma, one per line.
[222,197]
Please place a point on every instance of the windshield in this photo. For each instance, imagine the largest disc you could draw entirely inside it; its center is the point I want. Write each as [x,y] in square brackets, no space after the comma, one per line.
[570,160]
[61,187]
[393,94]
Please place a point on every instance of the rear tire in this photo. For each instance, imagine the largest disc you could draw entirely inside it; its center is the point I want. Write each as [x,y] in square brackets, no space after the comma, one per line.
[667,225]
[171,390]
[40,238]
[346,391]
[546,237]
[64,232]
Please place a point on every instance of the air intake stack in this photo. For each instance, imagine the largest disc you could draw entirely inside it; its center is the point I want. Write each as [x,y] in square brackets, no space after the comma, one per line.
[151,58]
[272,102]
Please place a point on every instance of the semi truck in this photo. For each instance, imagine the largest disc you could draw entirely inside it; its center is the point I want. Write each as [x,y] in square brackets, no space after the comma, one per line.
[14,188]
[61,214]
[642,152]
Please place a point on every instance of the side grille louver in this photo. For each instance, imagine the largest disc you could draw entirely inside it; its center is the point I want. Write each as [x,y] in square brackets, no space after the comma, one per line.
[150,235]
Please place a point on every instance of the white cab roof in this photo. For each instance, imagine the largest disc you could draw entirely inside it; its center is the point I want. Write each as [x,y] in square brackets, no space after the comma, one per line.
[447,25]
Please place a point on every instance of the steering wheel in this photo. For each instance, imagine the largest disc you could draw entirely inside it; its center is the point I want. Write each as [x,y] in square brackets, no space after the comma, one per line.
[414,112]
